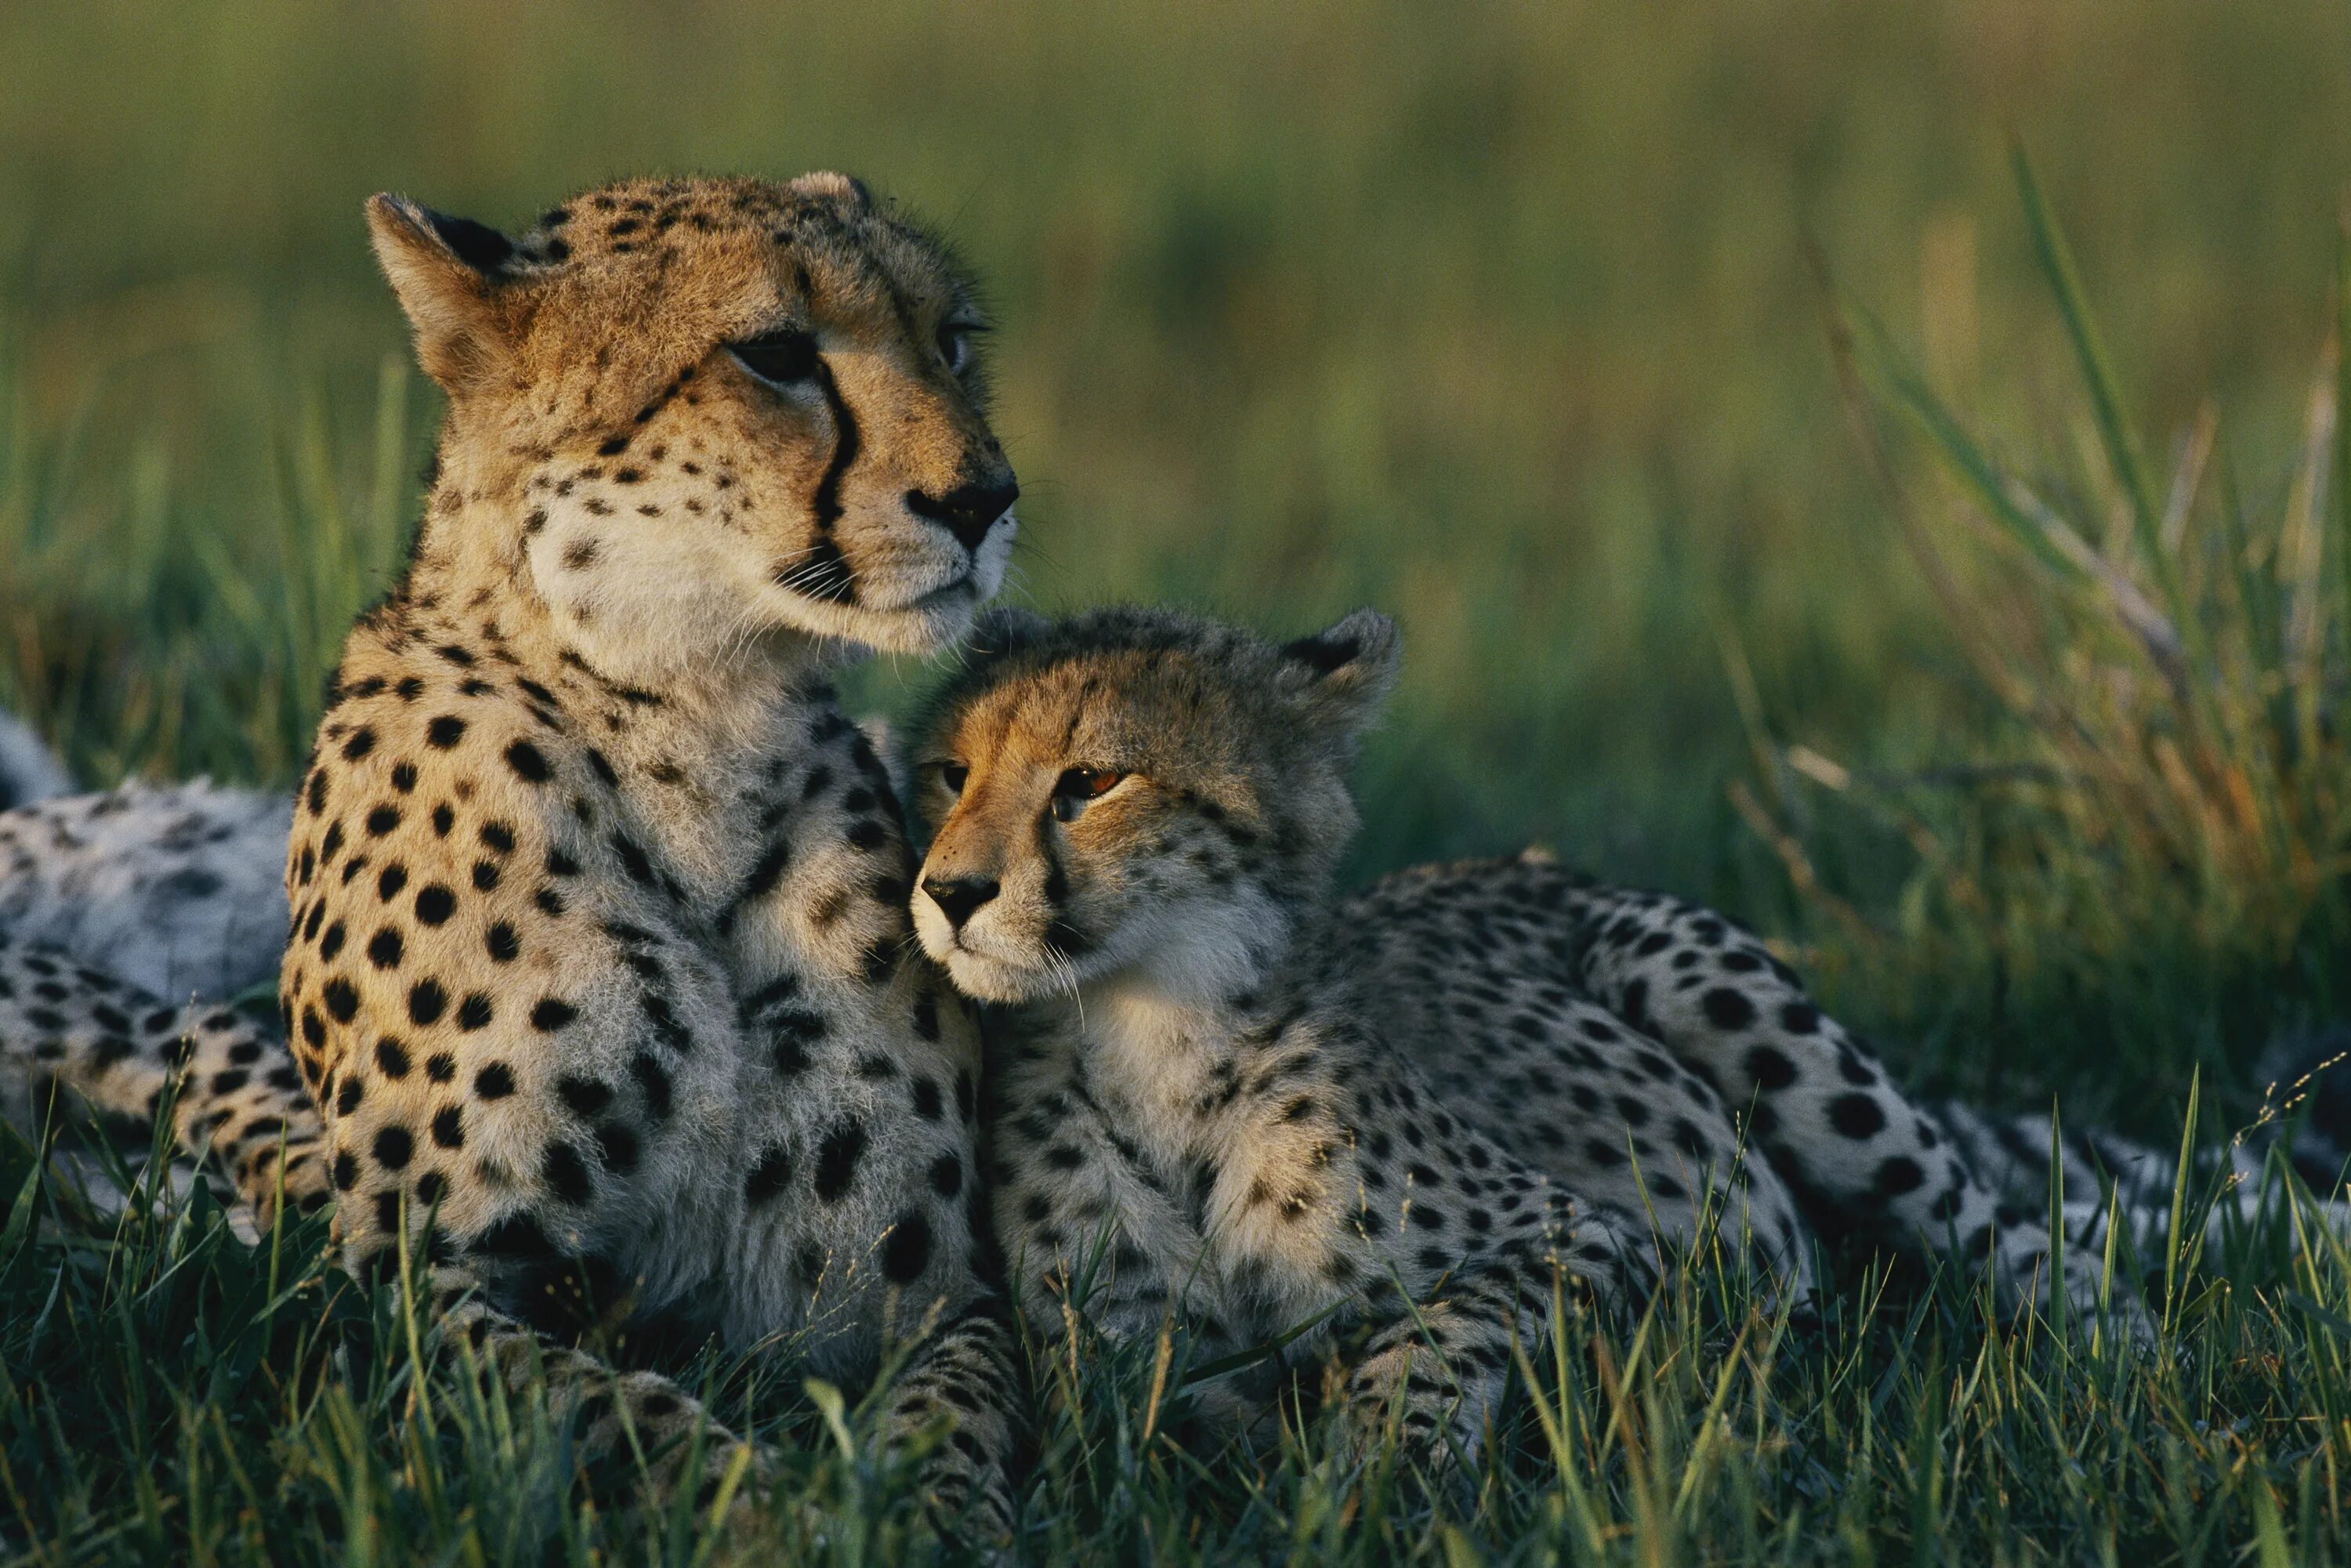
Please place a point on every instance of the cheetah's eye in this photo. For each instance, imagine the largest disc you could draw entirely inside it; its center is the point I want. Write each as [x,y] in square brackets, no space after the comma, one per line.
[952,775]
[1079,788]
[783,359]
[955,345]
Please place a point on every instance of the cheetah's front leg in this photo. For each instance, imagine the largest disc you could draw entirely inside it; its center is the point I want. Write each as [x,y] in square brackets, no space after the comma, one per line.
[1441,1364]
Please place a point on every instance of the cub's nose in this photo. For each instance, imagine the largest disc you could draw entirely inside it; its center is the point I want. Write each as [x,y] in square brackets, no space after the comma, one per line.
[968,511]
[958,897]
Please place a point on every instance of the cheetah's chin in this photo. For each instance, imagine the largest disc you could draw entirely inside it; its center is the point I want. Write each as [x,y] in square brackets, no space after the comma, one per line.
[987,979]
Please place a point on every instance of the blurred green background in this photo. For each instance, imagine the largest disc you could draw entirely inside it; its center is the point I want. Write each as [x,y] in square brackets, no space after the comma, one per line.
[1498,316]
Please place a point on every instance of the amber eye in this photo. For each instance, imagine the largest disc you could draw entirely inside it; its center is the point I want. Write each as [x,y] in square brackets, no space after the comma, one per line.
[782,359]
[1079,788]
[952,775]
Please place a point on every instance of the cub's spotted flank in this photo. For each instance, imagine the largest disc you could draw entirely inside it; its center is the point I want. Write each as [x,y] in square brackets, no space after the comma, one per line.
[600,981]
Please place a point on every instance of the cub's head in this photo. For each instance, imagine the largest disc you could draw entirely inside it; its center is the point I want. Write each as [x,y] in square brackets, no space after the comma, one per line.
[698,410]
[1137,791]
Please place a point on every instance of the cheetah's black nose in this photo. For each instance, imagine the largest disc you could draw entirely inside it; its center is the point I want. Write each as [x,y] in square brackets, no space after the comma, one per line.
[967,511]
[958,896]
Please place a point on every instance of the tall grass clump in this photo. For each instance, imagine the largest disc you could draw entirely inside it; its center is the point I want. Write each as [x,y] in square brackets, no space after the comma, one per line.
[2152,824]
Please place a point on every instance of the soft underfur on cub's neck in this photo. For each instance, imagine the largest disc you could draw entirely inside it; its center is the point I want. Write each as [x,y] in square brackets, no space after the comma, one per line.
[1171,1029]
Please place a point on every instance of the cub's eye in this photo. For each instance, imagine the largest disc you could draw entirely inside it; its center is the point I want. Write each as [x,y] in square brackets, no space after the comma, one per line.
[955,345]
[1079,788]
[783,359]
[952,775]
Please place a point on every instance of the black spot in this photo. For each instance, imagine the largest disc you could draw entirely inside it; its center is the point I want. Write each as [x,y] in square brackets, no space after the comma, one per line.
[391,1058]
[946,1176]
[633,859]
[449,1127]
[515,1235]
[426,1002]
[907,1252]
[393,1146]
[1858,1116]
[551,1014]
[586,1096]
[441,1067]
[836,1160]
[617,1146]
[390,881]
[1770,1066]
[486,875]
[348,1097]
[384,949]
[529,766]
[502,942]
[346,1171]
[474,1012]
[1897,1176]
[361,742]
[769,1176]
[435,903]
[1800,1018]
[382,820]
[926,1099]
[653,1078]
[1727,1008]
[494,1082]
[341,997]
[566,1173]
[444,732]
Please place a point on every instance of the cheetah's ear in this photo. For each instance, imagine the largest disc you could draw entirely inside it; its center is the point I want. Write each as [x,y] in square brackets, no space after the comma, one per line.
[839,187]
[1343,673]
[446,273]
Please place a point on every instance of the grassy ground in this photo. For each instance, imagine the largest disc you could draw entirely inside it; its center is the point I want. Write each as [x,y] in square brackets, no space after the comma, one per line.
[1967,657]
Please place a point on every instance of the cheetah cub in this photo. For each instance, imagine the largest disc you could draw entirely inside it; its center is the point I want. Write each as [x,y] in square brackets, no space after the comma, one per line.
[1200,1096]
[598,978]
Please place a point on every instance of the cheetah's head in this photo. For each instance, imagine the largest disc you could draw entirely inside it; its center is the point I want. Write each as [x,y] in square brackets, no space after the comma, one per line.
[1137,792]
[700,411]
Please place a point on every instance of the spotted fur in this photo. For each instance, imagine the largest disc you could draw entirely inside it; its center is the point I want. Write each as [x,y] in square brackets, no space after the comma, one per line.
[1402,1112]
[1208,1090]
[599,983]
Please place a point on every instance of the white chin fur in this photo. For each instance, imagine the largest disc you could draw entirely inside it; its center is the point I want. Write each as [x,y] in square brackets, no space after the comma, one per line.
[985,979]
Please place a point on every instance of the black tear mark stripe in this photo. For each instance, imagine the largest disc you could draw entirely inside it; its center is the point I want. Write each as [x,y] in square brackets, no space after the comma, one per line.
[826,503]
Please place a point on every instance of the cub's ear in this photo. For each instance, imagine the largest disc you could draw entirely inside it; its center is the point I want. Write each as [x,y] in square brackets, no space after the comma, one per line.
[1341,674]
[446,273]
[1005,629]
[839,187]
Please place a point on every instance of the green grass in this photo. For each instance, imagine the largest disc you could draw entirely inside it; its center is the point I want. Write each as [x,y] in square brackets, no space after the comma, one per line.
[259,1406]
[1778,510]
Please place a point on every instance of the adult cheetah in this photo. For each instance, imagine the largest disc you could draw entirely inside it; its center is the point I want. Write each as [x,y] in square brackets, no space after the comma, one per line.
[600,986]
